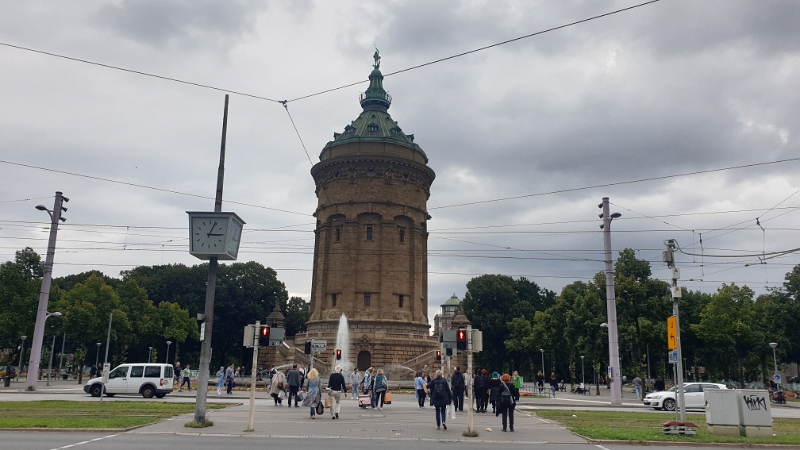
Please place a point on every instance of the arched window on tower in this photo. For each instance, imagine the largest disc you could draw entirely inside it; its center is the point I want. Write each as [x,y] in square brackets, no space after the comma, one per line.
[401,234]
[369,232]
[400,302]
[338,233]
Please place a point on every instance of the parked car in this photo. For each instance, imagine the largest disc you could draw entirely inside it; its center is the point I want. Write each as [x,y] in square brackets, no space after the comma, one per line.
[147,379]
[692,395]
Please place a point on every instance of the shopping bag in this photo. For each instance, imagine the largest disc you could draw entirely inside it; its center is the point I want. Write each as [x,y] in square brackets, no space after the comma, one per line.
[320,409]
[452,411]
[387,399]
[328,402]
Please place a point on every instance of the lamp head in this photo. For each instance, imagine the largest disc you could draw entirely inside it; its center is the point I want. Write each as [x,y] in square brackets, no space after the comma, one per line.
[99,344]
[541,350]
[55,314]
[603,325]
[773,345]
[169,342]
[616,215]
[41,207]
[23,337]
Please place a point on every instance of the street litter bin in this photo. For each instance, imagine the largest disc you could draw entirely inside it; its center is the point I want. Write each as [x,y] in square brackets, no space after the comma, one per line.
[755,413]
[7,381]
[722,413]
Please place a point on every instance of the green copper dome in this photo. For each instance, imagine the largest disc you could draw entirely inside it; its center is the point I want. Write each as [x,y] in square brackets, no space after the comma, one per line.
[374,123]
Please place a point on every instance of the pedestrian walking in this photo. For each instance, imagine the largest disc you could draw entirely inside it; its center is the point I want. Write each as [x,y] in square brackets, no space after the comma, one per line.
[457,381]
[494,390]
[220,379]
[313,393]
[507,401]
[229,373]
[293,380]
[277,388]
[420,386]
[186,380]
[540,381]
[336,386]
[441,396]
[477,387]
[637,386]
[355,381]
[553,383]
[487,385]
[176,371]
[380,386]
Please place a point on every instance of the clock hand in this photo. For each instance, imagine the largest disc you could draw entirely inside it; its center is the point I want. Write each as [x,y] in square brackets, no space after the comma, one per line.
[215,234]
[212,229]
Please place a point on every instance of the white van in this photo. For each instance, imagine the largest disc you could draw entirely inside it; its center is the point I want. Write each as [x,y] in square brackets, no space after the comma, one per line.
[146,379]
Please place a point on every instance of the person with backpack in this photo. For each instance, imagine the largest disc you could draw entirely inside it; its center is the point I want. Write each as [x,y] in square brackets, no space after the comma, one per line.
[379,388]
[457,380]
[441,397]
[477,386]
[485,391]
[494,390]
[507,401]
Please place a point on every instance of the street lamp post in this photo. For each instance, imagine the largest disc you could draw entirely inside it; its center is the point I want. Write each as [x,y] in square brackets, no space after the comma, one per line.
[775,360]
[150,354]
[583,379]
[167,358]
[97,355]
[611,305]
[21,354]
[44,293]
[544,372]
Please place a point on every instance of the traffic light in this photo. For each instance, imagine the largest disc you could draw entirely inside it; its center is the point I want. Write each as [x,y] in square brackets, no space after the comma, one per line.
[307,349]
[338,353]
[263,337]
[448,351]
[438,355]
[461,340]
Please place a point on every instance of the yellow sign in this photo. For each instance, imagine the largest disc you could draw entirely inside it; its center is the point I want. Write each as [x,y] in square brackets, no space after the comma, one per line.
[672,332]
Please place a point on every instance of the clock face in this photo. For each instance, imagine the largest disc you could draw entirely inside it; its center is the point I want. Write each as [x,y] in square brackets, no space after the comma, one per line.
[234,238]
[209,234]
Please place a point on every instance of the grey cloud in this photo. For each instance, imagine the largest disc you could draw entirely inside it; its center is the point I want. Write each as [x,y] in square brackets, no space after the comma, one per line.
[181,23]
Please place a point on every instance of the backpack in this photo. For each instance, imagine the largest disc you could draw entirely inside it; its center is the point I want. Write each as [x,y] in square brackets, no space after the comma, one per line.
[438,392]
[478,383]
[505,396]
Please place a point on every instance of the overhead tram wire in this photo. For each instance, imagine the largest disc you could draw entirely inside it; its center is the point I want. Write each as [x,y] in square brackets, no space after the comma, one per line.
[144,186]
[259,97]
[618,183]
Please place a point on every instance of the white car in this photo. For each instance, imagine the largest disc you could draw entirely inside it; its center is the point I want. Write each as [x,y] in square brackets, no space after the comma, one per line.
[146,379]
[692,395]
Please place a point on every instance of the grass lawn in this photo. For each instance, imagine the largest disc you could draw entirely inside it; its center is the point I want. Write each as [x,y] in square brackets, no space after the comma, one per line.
[642,426]
[66,414]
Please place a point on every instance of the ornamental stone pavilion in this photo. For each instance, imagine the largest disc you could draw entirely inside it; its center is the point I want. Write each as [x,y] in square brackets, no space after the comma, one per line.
[371,245]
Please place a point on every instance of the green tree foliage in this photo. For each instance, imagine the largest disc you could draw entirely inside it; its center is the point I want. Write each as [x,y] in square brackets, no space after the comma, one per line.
[20,282]
[492,301]
[297,314]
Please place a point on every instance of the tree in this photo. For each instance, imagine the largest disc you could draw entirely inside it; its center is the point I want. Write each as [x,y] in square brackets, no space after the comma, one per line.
[297,314]
[727,322]
[492,301]
[20,283]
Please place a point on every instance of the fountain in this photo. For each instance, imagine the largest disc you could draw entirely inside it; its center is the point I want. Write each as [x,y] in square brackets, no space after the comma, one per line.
[343,343]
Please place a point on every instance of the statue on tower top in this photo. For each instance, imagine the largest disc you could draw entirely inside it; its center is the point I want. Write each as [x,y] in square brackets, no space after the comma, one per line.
[377,58]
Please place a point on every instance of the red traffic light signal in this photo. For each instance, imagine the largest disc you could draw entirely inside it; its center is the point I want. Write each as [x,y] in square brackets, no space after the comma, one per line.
[263,337]
[338,353]
[438,355]
[461,340]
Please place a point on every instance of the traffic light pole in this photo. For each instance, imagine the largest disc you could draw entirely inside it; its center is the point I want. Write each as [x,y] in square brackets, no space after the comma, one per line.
[669,257]
[256,346]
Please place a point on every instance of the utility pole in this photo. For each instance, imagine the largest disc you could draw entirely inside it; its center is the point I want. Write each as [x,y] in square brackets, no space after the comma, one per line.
[611,305]
[205,350]
[256,344]
[669,258]
[44,293]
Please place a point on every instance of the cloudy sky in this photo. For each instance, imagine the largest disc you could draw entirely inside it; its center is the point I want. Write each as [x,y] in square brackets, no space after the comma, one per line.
[670,88]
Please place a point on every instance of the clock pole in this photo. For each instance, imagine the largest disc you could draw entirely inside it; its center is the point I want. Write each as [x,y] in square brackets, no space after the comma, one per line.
[205,350]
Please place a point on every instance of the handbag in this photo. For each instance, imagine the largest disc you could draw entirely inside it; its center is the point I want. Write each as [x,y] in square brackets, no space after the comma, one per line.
[387,399]
[320,409]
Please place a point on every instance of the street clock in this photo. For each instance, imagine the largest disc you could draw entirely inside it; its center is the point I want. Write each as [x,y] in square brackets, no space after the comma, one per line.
[214,234]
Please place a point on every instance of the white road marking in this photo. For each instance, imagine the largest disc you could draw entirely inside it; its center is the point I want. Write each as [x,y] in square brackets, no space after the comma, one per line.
[601,447]
[86,442]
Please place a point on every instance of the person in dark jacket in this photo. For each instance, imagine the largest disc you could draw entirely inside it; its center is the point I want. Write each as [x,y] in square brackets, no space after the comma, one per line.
[494,390]
[441,396]
[336,386]
[457,380]
[507,401]
[293,380]
[487,383]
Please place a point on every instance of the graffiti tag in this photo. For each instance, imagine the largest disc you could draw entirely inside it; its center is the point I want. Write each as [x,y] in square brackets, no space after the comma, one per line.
[755,403]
